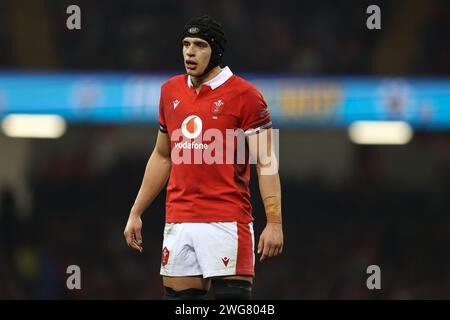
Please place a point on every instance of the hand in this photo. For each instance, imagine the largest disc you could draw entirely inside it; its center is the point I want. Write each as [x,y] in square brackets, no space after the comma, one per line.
[271,241]
[132,232]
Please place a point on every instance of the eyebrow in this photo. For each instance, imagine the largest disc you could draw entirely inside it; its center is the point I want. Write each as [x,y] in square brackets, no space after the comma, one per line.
[196,42]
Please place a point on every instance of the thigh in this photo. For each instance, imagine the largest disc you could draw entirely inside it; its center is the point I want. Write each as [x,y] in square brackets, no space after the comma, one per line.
[178,255]
[225,249]
[182,283]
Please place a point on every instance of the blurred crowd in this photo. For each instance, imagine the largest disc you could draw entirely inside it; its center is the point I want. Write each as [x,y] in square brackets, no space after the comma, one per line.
[332,234]
[307,37]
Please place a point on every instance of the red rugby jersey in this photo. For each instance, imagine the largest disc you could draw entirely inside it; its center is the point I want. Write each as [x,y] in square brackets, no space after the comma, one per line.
[203,185]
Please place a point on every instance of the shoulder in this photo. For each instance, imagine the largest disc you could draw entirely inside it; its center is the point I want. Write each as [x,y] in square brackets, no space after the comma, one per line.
[174,82]
[247,91]
[245,88]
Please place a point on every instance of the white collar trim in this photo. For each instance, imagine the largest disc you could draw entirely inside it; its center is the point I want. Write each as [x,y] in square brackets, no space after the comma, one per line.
[217,81]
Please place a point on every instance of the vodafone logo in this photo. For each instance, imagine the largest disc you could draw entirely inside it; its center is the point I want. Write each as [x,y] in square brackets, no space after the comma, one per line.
[191,127]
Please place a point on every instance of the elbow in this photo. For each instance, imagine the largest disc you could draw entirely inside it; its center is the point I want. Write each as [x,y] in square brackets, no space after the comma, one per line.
[167,161]
[267,169]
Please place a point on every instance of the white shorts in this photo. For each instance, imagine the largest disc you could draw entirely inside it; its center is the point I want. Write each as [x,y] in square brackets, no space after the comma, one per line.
[208,249]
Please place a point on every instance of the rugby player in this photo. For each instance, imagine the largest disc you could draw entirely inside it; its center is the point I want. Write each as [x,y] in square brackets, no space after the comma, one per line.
[208,235]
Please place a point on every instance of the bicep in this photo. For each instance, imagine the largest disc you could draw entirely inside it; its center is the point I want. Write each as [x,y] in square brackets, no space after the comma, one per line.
[262,152]
[260,146]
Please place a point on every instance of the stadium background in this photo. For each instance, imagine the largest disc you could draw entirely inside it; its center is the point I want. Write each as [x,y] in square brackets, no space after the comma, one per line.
[346,206]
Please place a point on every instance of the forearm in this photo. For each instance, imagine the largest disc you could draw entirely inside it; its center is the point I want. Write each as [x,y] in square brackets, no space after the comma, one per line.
[270,189]
[156,174]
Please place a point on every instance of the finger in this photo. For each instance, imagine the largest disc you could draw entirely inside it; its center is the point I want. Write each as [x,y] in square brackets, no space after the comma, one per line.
[140,248]
[128,237]
[271,251]
[278,250]
[138,235]
[265,251]
[135,246]
[275,251]
[260,245]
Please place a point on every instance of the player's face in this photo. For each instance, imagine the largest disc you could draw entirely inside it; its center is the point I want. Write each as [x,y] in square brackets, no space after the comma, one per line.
[196,54]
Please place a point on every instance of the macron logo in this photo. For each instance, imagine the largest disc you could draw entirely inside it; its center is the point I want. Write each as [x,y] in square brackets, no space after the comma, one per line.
[225,261]
[176,103]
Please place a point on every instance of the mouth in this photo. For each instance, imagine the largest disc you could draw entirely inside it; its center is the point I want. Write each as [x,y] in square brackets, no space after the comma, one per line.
[190,64]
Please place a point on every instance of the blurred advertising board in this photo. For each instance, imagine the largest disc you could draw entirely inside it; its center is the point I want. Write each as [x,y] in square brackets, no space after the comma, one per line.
[294,101]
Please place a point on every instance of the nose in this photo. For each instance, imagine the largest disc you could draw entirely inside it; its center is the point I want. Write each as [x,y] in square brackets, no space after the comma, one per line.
[190,51]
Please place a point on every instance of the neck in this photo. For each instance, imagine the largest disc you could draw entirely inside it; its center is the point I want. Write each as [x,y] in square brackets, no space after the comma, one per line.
[198,81]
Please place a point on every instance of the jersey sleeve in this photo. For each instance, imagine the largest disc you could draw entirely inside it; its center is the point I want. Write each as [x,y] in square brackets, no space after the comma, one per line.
[255,114]
[161,117]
